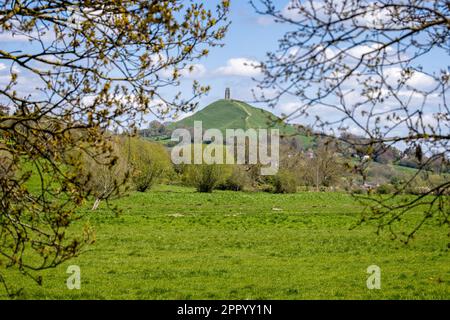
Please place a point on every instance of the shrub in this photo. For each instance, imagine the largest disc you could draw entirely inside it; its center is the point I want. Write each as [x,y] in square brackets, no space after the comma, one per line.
[385,189]
[148,162]
[284,182]
[358,190]
[205,177]
[416,186]
[238,180]
[380,174]
[106,175]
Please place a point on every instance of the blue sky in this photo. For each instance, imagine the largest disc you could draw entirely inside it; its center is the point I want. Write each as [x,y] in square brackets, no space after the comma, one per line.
[249,38]
[251,35]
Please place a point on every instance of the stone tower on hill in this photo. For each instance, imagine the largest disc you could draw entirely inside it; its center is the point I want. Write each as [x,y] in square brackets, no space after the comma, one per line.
[227,94]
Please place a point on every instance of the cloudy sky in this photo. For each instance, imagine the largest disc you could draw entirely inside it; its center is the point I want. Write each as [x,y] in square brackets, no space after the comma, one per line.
[249,38]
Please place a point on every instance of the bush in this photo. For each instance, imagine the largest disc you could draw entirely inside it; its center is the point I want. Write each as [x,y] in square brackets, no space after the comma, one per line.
[417,186]
[205,177]
[238,180]
[106,175]
[284,182]
[385,189]
[358,190]
[149,161]
[380,174]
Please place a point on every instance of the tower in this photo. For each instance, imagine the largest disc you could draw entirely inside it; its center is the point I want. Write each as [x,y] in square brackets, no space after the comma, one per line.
[227,94]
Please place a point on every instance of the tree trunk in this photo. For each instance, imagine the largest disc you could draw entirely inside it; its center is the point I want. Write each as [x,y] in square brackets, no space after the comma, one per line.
[96,203]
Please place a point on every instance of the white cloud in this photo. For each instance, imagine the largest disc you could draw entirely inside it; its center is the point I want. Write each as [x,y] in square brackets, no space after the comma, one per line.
[194,71]
[2,66]
[8,36]
[289,107]
[242,67]
[352,129]
[291,11]
[418,80]
[358,51]
[430,120]
[378,16]
[265,20]
[5,80]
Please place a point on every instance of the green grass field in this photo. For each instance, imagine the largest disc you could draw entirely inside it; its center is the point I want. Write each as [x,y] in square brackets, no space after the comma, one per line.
[174,243]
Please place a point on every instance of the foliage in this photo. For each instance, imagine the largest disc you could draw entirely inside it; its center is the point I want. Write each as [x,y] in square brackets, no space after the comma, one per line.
[385,189]
[358,66]
[321,167]
[34,220]
[105,176]
[206,177]
[148,161]
[284,182]
[94,67]
[238,180]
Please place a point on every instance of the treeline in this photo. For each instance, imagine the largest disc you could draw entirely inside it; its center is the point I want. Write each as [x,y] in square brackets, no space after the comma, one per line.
[140,163]
[348,145]
[129,163]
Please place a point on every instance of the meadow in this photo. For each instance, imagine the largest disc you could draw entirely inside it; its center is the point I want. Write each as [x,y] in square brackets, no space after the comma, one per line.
[175,243]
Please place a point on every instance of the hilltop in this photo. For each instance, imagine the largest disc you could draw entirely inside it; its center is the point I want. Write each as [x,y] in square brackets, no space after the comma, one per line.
[234,114]
[228,114]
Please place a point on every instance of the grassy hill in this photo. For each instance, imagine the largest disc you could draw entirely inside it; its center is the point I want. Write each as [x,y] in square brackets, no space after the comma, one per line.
[234,114]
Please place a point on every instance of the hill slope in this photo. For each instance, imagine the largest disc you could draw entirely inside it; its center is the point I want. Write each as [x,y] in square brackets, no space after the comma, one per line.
[234,114]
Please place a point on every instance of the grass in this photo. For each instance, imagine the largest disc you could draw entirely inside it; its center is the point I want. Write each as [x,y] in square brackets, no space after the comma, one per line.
[174,243]
[234,114]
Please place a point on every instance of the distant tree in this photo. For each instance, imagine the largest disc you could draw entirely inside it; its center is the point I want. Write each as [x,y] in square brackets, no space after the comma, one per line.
[105,175]
[148,161]
[323,168]
[93,66]
[296,144]
[359,65]
[284,182]
[157,128]
[206,177]
[381,174]
[387,155]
